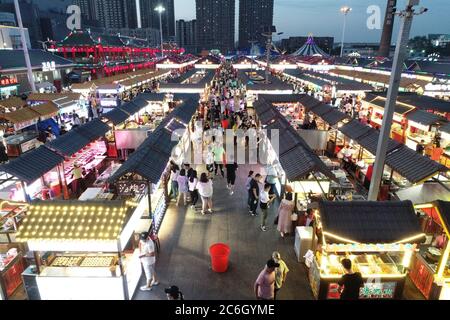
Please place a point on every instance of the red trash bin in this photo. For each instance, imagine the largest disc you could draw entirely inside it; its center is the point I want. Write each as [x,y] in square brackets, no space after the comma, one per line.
[220,253]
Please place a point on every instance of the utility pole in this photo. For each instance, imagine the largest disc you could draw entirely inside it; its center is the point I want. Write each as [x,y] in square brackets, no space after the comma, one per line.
[270,31]
[138,13]
[394,84]
[25,47]
[345,10]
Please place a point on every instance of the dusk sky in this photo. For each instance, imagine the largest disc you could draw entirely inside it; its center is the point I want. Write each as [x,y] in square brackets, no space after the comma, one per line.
[322,17]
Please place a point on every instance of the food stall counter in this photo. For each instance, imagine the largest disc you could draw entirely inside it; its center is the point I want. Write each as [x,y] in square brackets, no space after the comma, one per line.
[382,257]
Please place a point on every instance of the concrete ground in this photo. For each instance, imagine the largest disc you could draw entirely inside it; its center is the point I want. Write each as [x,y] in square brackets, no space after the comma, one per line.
[187,235]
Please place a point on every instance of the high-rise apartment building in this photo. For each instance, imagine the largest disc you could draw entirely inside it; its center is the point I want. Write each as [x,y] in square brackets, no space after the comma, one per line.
[186,35]
[215,25]
[254,16]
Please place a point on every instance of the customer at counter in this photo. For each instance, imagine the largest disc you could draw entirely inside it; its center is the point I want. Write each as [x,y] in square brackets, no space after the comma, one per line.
[78,180]
[351,282]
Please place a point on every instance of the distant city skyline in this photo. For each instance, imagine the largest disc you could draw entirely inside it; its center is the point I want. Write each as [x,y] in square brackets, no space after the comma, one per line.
[322,18]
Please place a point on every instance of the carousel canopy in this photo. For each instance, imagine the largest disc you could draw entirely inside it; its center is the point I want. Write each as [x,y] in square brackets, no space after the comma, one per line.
[310,49]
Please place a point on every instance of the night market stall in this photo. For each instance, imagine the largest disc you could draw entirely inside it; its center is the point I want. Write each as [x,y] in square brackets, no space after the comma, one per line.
[193,81]
[290,156]
[379,238]
[83,250]
[54,163]
[147,171]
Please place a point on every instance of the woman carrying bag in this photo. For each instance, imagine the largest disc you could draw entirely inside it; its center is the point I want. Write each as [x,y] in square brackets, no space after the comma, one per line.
[285,213]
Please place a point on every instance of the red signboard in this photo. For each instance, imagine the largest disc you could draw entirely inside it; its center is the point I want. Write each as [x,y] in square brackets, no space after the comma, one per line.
[8,81]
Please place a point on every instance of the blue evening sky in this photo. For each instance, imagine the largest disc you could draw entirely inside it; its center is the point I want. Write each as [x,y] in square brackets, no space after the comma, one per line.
[322,17]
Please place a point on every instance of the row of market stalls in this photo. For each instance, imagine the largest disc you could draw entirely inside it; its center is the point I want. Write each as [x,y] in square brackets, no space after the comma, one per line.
[193,81]
[386,241]
[329,86]
[338,132]
[92,242]
[114,136]
[111,91]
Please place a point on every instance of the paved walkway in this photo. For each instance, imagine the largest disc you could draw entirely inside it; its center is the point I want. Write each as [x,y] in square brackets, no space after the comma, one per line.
[186,236]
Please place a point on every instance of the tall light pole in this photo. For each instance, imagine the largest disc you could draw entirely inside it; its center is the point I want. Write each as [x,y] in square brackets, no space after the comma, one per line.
[345,10]
[25,47]
[269,34]
[160,9]
[394,84]
[138,14]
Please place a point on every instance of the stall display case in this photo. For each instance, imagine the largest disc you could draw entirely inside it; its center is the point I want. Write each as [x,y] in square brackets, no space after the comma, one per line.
[21,143]
[11,217]
[12,265]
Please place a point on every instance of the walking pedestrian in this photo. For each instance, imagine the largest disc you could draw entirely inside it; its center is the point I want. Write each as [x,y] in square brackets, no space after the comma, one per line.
[219,154]
[280,273]
[205,189]
[265,199]
[174,293]
[265,283]
[247,186]
[231,176]
[193,180]
[182,187]
[350,283]
[254,194]
[175,171]
[148,259]
[285,212]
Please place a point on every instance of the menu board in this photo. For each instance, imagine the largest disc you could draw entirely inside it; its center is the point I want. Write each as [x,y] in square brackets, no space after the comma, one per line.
[314,278]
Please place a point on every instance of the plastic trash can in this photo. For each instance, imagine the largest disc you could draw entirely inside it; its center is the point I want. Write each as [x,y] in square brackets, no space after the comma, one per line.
[220,253]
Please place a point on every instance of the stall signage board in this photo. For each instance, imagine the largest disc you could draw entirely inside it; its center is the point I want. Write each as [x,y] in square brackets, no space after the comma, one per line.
[130,188]
[48,66]
[381,290]
[371,290]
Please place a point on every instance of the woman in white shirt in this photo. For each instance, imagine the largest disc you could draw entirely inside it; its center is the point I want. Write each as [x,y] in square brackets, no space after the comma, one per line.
[192,183]
[175,171]
[205,189]
[182,187]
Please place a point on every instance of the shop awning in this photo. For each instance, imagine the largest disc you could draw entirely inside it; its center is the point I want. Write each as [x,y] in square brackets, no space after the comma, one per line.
[21,115]
[146,162]
[100,221]
[131,107]
[300,162]
[321,109]
[412,165]
[424,118]
[370,142]
[267,116]
[117,116]
[46,110]
[93,129]
[355,129]
[333,117]
[186,110]
[354,86]
[283,98]
[33,164]
[370,222]
[445,128]
[425,193]
[69,144]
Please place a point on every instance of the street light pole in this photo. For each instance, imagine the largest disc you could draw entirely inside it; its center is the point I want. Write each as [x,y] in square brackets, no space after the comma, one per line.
[160,9]
[345,10]
[25,47]
[394,84]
